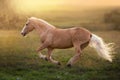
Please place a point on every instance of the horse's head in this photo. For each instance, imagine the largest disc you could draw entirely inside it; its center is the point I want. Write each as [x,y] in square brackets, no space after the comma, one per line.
[27,28]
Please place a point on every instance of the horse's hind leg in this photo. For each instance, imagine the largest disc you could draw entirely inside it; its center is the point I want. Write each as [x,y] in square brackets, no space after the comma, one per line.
[84,45]
[76,57]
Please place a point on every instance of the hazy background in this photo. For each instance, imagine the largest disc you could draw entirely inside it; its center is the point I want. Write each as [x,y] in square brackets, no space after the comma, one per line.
[19,59]
[61,13]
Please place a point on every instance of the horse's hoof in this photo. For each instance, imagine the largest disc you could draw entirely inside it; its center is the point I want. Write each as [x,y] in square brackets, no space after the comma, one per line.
[69,65]
[58,63]
[46,58]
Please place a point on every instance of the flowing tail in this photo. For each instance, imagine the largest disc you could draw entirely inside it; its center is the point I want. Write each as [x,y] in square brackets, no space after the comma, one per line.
[104,50]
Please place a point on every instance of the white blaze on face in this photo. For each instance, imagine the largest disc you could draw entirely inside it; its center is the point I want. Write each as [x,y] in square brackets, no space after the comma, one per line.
[23,31]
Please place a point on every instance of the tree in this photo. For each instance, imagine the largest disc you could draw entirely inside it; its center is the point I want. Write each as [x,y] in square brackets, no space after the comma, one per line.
[113,17]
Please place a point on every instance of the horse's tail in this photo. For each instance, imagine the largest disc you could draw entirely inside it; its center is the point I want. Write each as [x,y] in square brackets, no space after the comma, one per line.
[104,50]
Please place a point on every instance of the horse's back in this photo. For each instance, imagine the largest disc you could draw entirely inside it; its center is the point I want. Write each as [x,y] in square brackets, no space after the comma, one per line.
[81,34]
[64,38]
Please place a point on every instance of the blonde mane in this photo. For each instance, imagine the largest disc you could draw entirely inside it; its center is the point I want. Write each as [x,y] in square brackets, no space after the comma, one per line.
[43,22]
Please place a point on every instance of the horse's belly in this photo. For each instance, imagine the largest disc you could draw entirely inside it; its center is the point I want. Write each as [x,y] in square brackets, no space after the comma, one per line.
[62,43]
[62,46]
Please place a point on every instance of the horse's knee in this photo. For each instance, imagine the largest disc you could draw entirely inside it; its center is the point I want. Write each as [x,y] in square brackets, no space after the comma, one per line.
[78,55]
[78,52]
[78,49]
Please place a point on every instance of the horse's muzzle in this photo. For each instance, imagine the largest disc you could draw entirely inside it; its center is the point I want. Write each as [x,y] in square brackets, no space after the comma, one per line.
[23,33]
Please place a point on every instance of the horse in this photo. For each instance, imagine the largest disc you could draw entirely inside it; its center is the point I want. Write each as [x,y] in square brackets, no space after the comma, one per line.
[56,38]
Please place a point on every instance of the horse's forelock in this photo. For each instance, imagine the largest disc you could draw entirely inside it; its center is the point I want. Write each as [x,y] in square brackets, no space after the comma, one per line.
[31,18]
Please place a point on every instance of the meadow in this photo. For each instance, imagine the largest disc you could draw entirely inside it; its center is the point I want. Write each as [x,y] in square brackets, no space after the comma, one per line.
[19,60]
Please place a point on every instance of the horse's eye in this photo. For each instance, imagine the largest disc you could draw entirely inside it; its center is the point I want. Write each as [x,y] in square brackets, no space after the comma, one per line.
[26,24]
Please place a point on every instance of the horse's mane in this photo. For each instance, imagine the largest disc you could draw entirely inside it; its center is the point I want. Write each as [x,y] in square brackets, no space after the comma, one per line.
[42,21]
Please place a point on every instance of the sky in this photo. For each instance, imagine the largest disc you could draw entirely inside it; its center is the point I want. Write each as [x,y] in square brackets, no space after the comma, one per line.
[39,5]
[93,2]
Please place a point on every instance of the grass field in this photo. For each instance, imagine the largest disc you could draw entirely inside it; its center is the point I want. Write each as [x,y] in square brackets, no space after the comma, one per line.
[19,60]
[18,57]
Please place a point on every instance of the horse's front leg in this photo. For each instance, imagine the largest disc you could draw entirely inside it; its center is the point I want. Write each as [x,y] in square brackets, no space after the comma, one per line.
[42,56]
[43,46]
[50,58]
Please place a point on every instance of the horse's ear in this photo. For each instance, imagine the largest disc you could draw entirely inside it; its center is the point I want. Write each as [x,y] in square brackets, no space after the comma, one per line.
[27,18]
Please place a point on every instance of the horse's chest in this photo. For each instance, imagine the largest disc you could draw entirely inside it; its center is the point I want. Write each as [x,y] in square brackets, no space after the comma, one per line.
[43,38]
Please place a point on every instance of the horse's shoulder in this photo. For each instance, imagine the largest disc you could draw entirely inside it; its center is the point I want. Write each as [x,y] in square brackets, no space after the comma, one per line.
[78,28]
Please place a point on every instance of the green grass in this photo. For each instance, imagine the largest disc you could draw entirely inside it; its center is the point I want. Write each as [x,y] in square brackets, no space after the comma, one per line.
[19,60]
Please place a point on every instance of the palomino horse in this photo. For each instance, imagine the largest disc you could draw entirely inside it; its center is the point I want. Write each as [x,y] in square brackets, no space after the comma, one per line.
[55,38]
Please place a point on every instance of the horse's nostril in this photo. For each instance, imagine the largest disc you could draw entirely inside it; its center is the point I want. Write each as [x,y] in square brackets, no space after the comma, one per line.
[22,33]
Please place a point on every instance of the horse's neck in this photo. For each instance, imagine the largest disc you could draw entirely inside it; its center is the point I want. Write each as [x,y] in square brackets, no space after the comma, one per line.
[42,27]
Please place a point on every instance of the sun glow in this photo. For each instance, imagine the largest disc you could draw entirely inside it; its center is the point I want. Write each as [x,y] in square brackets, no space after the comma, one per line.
[32,6]
[35,5]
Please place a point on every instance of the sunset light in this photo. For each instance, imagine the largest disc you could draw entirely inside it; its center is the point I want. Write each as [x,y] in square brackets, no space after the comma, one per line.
[47,5]
[35,5]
